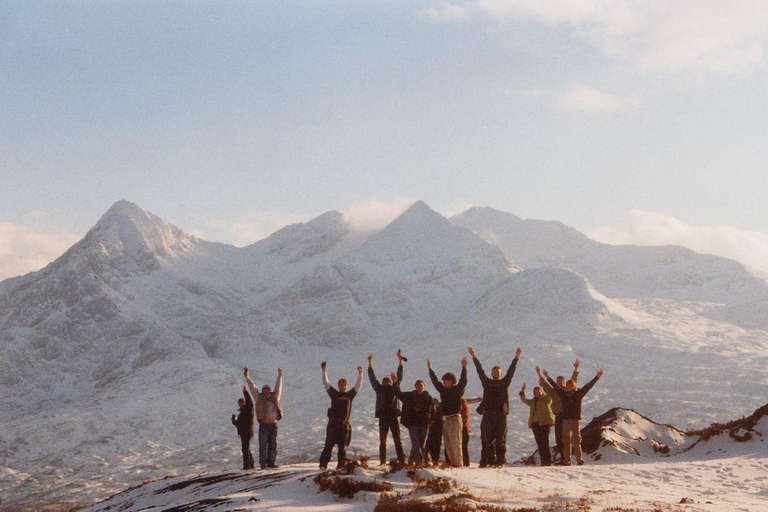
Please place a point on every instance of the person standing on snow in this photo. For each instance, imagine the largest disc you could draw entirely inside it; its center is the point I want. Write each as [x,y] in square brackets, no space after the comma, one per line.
[339,431]
[387,409]
[417,415]
[465,428]
[244,424]
[268,413]
[450,403]
[540,420]
[571,398]
[495,407]
[557,405]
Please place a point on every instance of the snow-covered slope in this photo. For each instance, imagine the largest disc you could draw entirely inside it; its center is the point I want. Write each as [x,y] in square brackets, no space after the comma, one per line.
[628,271]
[126,353]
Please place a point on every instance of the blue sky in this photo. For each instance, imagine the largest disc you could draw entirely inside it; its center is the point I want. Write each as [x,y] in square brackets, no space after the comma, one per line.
[636,122]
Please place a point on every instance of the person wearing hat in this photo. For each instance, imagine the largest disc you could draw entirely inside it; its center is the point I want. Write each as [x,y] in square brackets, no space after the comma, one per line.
[268,413]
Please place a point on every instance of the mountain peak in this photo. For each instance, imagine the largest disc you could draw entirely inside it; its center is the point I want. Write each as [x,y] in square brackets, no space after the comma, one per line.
[129,230]
[484,213]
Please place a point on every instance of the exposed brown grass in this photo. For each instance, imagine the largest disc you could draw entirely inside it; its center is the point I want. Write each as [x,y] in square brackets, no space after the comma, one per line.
[346,487]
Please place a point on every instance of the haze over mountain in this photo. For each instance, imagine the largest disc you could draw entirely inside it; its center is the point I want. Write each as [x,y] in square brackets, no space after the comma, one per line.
[126,352]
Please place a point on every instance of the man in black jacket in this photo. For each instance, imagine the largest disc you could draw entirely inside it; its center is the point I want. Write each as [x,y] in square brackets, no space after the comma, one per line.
[244,424]
[494,408]
[571,398]
[418,412]
[339,430]
[450,403]
[387,409]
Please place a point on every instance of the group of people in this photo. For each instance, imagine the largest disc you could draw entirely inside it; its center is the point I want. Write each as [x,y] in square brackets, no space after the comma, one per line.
[430,421]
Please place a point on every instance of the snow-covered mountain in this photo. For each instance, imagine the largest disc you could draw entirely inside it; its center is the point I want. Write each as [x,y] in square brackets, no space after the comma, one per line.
[126,352]
[621,271]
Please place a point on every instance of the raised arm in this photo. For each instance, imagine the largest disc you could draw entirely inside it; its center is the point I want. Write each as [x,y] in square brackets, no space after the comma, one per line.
[512,366]
[478,366]
[279,384]
[544,384]
[463,379]
[583,391]
[375,384]
[438,385]
[249,382]
[326,382]
[359,383]
[554,385]
[575,375]
[248,401]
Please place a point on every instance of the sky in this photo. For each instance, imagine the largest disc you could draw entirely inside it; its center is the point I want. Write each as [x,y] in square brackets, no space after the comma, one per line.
[634,121]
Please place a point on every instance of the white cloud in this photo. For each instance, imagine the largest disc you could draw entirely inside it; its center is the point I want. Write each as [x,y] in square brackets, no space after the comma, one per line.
[374,214]
[584,98]
[247,228]
[25,249]
[648,228]
[712,35]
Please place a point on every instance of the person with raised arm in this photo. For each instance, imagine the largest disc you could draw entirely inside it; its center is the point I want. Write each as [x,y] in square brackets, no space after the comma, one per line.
[387,409]
[540,419]
[494,408]
[450,403]
[557,405]
[268,413]
[339,431]
[571,399]
[244,424]
[417,416]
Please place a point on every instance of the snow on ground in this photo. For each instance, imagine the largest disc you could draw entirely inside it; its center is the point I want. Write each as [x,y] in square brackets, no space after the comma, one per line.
[732,484]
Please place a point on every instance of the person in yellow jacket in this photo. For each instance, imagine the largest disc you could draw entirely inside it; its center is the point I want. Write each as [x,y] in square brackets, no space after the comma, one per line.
[540,420]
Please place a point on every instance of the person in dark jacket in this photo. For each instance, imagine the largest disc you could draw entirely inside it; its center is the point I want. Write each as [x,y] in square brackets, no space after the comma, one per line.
[495,407]
[244,424]
[450,403]
[571,398]
[435,433]
[557,406]
[416,417]
[339,431]
[387,409]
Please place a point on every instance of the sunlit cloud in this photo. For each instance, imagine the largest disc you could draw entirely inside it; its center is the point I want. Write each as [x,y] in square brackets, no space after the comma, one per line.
[648,228]
[25,249]
[712,35]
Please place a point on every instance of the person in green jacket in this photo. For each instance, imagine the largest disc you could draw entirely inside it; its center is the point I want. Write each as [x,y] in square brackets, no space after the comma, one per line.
[540,419]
